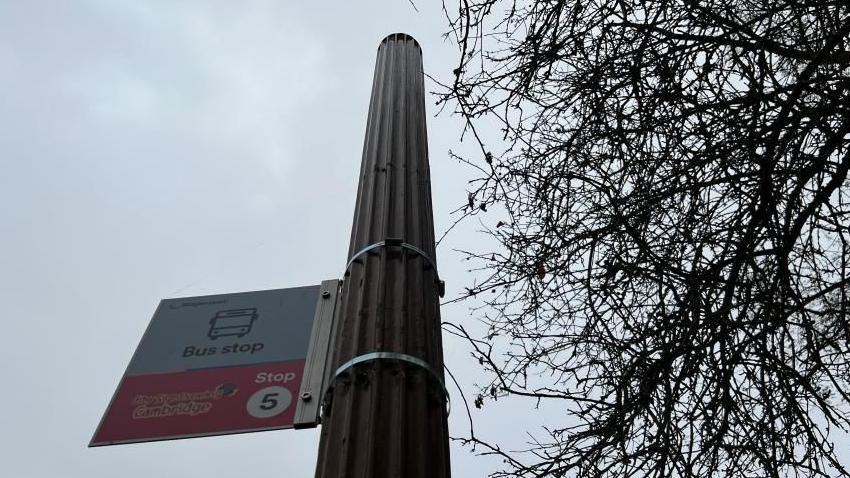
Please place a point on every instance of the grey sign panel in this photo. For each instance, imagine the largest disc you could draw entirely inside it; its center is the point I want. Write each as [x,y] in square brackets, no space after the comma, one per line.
[227,330]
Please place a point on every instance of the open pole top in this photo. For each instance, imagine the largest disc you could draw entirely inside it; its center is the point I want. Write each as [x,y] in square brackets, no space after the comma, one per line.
[399,37]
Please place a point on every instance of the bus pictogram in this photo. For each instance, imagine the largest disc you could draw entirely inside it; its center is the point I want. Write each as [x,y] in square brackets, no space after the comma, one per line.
[235,322]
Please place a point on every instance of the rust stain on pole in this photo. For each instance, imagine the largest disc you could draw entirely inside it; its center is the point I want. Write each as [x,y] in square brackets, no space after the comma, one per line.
[386,417]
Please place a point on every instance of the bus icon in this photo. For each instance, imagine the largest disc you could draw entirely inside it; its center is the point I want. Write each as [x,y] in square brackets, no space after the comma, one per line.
[235,322]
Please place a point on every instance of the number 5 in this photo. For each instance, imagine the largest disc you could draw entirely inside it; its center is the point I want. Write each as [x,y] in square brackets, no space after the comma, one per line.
[269,401]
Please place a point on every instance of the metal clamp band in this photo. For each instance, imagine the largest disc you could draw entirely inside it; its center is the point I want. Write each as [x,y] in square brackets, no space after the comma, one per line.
[390,242]
[393,356]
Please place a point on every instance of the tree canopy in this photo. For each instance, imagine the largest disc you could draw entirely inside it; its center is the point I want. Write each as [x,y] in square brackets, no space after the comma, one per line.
[671,204]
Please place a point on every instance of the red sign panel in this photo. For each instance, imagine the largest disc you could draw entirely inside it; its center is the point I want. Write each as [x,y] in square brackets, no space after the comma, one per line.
[202,402]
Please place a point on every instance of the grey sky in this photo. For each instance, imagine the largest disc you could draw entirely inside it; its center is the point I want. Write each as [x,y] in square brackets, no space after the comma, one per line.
[160,149]
[154,149]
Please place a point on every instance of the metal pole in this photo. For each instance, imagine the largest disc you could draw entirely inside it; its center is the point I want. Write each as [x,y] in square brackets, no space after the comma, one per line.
[385,411]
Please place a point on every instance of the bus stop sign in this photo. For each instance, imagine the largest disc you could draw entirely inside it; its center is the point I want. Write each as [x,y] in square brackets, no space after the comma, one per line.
[221,364]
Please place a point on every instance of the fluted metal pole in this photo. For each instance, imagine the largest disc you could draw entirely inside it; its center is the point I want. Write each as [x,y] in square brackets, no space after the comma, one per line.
[386,417]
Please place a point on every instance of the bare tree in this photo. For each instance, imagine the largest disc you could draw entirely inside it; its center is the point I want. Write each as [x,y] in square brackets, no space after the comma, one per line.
[673,212]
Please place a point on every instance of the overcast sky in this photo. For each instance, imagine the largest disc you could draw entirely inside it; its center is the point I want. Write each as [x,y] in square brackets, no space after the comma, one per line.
[155,149]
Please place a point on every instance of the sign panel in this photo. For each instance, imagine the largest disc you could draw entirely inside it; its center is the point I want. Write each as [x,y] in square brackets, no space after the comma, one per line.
[216,364]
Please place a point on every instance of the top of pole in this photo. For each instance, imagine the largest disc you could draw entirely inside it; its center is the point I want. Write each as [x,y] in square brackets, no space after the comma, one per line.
[399,37]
